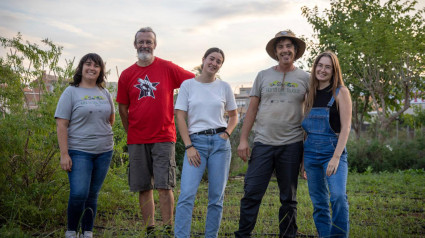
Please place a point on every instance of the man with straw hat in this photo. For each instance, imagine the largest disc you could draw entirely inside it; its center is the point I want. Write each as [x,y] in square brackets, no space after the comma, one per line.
[276,107]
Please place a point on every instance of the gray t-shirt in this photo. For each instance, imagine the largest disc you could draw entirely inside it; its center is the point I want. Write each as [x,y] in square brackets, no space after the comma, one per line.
[88,111]
[280,111]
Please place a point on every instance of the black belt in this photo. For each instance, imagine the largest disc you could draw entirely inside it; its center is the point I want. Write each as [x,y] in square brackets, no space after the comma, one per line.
[211,131]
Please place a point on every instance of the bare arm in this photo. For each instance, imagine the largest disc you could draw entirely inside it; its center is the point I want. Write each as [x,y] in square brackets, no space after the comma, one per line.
[345,112]
[123,110]
[243,148]
[193,156]
[62,132]
[112,119]
[181,123]
[303,174]
[233,121]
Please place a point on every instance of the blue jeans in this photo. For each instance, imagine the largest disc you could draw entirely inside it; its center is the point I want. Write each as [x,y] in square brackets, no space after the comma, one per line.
[318,185]
[86,178]
[215,155]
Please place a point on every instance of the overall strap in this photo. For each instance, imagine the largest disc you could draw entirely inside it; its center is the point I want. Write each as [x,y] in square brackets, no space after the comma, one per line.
[333,99]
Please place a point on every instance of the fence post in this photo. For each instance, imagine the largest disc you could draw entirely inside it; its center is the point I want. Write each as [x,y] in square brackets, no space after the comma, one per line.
[407,132]
[396,137]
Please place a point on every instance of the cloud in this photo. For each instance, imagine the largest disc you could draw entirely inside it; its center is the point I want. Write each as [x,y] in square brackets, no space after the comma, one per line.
[66,27]
[219,15]
[16,20]
[232,9]
[185,29]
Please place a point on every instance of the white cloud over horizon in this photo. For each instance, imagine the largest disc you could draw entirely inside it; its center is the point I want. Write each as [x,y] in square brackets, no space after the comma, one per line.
[185,29]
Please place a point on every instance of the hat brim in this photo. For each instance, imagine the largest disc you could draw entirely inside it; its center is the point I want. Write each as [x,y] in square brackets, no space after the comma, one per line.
[271,51]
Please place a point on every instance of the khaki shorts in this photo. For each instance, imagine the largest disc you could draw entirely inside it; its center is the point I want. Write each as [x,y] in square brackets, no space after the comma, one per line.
[151,166]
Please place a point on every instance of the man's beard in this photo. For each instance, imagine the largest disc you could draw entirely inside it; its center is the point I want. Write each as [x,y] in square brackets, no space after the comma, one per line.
[144,56]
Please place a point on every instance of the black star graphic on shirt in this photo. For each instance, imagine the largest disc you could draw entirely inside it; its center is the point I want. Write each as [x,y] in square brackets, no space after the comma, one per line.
[146,87]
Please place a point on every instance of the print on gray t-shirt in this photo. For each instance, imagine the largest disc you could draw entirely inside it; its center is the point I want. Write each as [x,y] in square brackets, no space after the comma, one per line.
[280,111]
[88,111]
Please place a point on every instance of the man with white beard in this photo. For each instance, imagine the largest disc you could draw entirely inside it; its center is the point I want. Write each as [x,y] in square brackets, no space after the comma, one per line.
[145,99]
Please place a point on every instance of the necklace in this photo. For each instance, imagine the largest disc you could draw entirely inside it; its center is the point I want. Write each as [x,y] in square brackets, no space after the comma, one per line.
[284,75]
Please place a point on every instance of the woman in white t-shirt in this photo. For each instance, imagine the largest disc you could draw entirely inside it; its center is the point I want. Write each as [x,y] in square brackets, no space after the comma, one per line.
[203,101]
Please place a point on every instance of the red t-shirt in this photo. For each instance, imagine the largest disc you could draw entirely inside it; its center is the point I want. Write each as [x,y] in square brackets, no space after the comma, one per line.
[149,93]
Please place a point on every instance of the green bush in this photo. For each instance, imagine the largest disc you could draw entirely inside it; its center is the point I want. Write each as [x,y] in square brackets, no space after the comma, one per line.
[392,155]
[33,192]
[32,185]
[120,156]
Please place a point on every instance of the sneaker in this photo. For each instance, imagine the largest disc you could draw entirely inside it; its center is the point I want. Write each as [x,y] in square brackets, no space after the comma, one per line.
[87,234]
[71,234]
[167,231]
[150,232]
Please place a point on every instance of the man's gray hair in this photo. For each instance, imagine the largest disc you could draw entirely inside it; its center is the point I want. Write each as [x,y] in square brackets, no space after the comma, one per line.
[145,29]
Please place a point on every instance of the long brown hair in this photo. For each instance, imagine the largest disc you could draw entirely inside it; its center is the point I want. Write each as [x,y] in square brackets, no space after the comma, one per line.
[336,79]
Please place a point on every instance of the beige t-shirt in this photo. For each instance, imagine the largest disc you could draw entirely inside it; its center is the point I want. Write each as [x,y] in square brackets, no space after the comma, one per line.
[280,111]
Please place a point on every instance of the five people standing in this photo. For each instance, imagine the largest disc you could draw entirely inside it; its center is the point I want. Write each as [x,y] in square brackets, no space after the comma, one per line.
[145,97]
[203,101]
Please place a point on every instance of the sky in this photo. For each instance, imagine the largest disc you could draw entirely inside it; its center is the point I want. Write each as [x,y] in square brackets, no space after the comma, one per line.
[185,29]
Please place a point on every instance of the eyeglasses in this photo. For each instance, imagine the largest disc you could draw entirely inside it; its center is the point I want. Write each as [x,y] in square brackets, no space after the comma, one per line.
[147,42]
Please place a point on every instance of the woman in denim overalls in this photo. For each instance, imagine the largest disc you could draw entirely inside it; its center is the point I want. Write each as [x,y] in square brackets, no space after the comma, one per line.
[325,156]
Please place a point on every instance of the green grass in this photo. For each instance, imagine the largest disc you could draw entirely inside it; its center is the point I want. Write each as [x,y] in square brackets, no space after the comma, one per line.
[381,205]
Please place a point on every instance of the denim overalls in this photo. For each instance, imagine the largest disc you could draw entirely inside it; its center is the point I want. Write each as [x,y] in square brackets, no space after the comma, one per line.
[319,148]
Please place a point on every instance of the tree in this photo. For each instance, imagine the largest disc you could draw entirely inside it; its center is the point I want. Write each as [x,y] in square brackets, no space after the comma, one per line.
[197,70]
[31,183]
[415,120]
[381,49]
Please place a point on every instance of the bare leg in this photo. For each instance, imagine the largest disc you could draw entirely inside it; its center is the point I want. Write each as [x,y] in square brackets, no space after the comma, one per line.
[166,201]
[147,206]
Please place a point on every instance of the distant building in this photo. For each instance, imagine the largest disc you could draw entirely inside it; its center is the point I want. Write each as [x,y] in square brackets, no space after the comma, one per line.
[242,101]
[418,100]
[34,93]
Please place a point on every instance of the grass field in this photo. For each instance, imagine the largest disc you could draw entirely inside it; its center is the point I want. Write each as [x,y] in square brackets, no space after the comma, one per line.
[381,205]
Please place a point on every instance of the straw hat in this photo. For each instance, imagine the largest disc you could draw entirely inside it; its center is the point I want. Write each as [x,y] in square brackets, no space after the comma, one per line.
[285,34]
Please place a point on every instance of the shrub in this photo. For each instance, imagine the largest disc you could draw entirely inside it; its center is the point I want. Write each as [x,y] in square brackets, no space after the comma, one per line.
[392,155]
[33,193]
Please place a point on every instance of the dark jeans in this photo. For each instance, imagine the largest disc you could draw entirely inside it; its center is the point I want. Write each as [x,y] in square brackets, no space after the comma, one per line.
[85,180]
[265,159]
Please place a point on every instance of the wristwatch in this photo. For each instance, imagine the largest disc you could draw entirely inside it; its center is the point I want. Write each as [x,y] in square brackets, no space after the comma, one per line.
[188,146]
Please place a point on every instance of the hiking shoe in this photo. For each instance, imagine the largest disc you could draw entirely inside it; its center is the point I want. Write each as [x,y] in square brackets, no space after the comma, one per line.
[87,234]
[167,232]
[71,234]
[150,232]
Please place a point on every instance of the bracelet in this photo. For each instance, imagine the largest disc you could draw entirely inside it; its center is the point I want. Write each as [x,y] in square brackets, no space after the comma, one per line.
[188,146]
[227,133]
